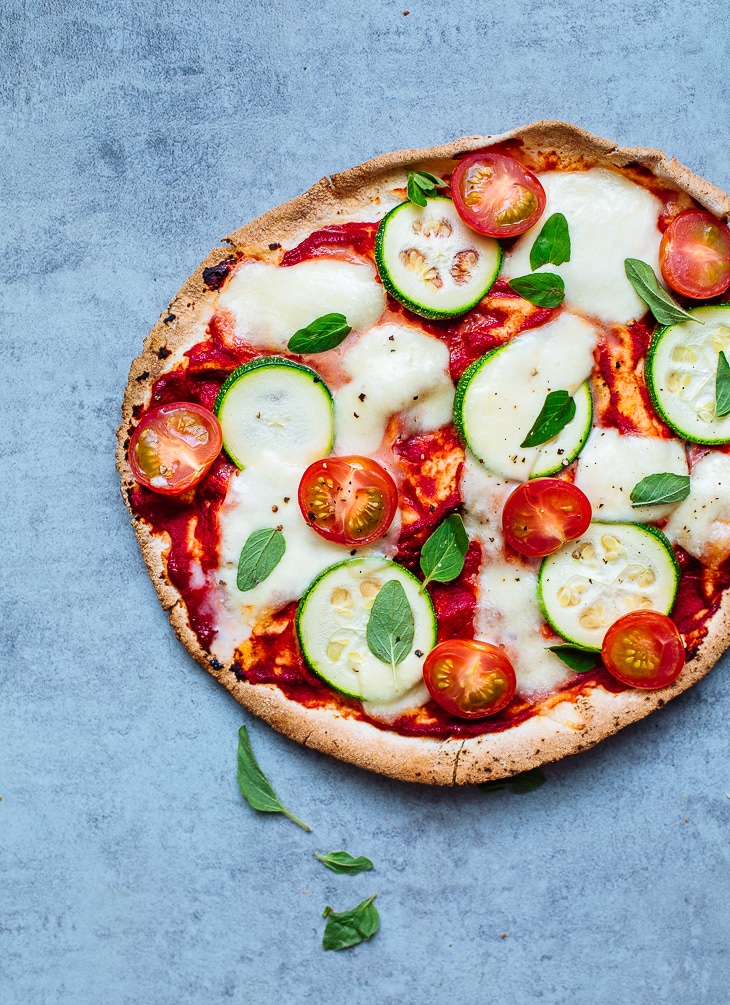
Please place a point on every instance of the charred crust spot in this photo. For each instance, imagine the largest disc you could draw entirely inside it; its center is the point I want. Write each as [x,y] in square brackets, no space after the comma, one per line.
[163,352]
[661,703]
[143,376]
[215,664]
[166,321]
[136,411]
[274,246]
[216,275]
[125,445]
[130,493]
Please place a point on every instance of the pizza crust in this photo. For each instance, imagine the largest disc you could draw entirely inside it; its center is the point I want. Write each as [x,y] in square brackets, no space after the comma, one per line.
[565,726]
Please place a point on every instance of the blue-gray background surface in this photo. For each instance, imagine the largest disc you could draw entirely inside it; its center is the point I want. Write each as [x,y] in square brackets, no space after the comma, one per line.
[134,135]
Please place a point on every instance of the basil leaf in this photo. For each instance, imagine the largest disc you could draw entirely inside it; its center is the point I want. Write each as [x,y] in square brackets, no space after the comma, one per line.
[662,488]
[664,308]
[555,414]
[544,289]
[322,334]
[348,928]
[552,245]
[422,184]
[722,387]
[341,861]
[578,659]
[526,781]
[260,555]
[391,628]
[442,556]
[254,785]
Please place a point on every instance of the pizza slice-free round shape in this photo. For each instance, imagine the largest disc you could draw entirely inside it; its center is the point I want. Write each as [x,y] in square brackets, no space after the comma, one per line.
[569,375]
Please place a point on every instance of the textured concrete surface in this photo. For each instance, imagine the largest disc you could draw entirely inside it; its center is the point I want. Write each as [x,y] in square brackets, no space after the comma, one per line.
[133,136]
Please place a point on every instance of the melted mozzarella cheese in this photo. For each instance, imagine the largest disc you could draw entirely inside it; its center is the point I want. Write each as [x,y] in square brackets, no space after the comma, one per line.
[265,495]
[609,219]
[610,465]
[393,369]
[701,524]
[270,303]
[508,613]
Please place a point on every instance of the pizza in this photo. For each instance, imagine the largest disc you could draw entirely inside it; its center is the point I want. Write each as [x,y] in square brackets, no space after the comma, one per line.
[428,465]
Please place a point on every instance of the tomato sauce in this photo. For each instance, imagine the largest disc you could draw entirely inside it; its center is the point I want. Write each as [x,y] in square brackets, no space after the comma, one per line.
[430,469]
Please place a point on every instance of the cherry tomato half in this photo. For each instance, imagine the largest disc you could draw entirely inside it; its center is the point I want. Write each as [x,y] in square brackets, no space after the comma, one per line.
[349,500]
[174,446]
[694,255]
[496,195]
[541,515]
[468,678]
[643,649]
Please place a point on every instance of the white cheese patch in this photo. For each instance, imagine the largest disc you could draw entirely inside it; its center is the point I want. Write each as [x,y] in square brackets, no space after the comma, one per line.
[508,613]
[609,219]
[610,465]
[393,369]
[506,396]
[701,524]
[249,506]
[270,303]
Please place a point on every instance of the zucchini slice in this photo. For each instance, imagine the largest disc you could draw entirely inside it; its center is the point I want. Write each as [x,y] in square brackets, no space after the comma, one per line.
[499,397]
[278,406]
[432,262]
[332,621]
[680,374]
[611,570]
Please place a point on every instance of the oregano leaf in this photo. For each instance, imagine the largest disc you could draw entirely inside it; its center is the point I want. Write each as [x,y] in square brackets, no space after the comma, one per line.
[391,627]
[664,308]
[349,928]
[320,335]
[552,244]
[255,786]
[557,411]
[665,487]
[343,862]
[544,289]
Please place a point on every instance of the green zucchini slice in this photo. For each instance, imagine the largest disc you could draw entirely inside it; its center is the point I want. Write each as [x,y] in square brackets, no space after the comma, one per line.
[611,570]
[274,405]
[681,369]
[432,262]
[498,399]
[332,621]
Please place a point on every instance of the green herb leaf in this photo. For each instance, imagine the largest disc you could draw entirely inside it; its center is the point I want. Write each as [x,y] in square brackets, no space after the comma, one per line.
[391,628]
[260,555]
[322,334]
[662,488]
[421,185]
[341,861]
[555,414]
[526,781]
[552,245]
[578,659]
[442,556]
[664,308]
[254,785]
[722,387]
[348,928]
[544,289]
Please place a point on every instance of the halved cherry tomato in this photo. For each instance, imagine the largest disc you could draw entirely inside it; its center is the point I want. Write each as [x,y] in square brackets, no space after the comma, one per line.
[174,446]
[644,649]
[541,515]
[496,195]
[349,500]
[468,678]
[694,255]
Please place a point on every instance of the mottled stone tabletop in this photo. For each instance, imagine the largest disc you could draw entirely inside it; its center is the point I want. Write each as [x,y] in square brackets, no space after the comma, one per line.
[134,135]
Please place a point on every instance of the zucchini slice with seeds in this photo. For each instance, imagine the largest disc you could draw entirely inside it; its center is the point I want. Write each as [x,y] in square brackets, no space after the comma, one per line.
[614,568]
[432,262]
[680,369]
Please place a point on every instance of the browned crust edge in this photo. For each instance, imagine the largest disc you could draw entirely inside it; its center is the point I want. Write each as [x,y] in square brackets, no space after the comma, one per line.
[568,728]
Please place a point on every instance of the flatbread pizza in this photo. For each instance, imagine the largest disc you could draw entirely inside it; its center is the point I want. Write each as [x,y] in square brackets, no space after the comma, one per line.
[428,465]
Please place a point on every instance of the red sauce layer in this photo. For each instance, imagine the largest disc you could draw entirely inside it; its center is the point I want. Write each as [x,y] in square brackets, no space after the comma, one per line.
[360,237]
